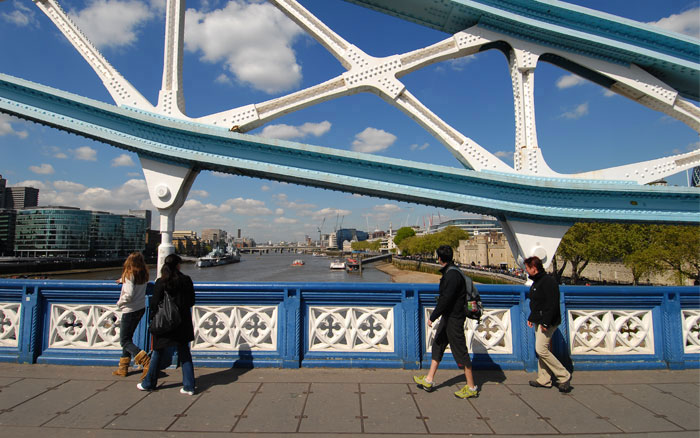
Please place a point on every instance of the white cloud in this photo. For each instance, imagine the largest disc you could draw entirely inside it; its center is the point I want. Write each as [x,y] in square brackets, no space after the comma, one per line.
[84,153]
[246,207]
[576,113]
[387,208]
[279,211]
[417,147]
[286,132]
[687,23]
[569,81]
[133,194]
[265,188]
[460,64]
[608,93]
[200,193]
[124,160]
[222,175]
[112,23]
[504,154]
[55,152]
[33,183]
[6,128]
[44,169]
[285,220]
[21,16]
[372,140]
[253,41]
[69,186]
[223,79]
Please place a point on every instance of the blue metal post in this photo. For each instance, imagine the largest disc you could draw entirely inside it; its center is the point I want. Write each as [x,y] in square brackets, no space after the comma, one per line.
[527,337]
[32,325]
[291,325]
[672,329]
[410,312]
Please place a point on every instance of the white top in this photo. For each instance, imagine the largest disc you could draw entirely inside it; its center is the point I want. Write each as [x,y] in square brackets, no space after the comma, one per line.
[133,296]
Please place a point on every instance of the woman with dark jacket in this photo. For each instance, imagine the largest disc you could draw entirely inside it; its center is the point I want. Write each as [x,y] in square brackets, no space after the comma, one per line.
[180,287]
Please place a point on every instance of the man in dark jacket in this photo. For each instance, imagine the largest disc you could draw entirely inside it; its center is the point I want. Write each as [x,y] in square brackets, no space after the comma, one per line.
[545,317]
[450,310]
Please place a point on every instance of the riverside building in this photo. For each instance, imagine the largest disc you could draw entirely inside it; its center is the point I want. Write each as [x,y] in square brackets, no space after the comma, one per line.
[74,233]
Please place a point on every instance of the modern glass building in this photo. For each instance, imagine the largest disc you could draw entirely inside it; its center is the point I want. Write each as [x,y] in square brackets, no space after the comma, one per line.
[105,235]
[349,234]
[475,226]
[52,232]
[71,232]
[8,218]
[133,234]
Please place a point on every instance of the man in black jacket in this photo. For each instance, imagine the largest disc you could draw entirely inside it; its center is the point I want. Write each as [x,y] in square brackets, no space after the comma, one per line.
[545,317]
[450,307]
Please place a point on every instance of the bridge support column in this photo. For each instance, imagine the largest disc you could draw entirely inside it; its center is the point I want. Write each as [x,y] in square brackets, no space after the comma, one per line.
[168,186]
[528,238]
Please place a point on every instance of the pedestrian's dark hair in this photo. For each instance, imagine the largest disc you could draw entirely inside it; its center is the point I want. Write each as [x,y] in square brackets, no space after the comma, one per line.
[169,271]
[444,253]
[536,262]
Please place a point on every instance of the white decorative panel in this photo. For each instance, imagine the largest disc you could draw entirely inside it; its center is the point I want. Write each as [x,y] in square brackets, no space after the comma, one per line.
[84,326]
[9,324]
[611,332]
[350,329]
[691,331]
[494,335]
[235,328]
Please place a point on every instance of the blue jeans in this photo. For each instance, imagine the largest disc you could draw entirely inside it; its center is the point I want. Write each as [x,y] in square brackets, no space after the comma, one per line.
[185,357]
[127,327]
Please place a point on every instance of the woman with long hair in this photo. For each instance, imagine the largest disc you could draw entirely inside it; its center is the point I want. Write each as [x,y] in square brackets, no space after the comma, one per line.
[132,303]
[179,286]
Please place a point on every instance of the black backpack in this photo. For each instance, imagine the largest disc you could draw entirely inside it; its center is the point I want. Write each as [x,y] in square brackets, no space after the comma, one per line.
[472,305]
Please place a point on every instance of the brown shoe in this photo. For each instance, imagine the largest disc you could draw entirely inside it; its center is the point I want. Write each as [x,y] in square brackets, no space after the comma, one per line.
[123,369]
[143,359]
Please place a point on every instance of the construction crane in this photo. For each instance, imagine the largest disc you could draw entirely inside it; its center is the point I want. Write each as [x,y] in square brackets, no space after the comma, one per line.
[320,240]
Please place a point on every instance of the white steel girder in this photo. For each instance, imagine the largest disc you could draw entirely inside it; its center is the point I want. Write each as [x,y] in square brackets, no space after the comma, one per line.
[169,184]
[168,187]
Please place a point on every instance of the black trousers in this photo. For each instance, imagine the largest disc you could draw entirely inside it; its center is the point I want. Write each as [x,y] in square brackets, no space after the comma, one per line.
[127,327]
[450,332]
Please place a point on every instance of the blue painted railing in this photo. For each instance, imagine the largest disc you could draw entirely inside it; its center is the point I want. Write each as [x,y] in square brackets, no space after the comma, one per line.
[29,333]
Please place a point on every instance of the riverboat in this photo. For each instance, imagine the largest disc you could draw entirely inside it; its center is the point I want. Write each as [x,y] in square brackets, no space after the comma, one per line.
[218,257]
[298,262]
[337,264]
[352,265]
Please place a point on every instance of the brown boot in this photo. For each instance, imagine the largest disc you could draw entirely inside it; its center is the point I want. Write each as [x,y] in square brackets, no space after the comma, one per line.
[144,360]
[123,369]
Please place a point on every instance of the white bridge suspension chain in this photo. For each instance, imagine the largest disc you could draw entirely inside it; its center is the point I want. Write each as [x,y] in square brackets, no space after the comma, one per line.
[380,76]
[123,93]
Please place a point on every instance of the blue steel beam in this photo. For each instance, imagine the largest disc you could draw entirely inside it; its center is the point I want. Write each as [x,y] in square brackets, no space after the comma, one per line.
[211,148]
[671,57]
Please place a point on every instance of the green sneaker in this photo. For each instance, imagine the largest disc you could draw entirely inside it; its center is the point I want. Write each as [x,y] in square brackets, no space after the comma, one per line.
[422,383]
[467,393]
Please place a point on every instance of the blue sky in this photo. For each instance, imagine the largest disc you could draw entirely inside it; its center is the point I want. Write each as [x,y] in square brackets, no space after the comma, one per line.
[258,54]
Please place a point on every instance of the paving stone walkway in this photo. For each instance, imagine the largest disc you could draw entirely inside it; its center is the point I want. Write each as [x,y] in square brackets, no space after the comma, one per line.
[54,401]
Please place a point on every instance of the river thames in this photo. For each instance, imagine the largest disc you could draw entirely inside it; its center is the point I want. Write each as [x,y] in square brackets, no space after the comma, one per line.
[271,267]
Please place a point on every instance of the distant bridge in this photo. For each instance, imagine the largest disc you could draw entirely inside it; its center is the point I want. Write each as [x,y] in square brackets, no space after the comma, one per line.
[534,204]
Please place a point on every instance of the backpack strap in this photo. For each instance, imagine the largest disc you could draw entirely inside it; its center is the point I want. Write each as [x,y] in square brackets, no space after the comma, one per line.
[467,281]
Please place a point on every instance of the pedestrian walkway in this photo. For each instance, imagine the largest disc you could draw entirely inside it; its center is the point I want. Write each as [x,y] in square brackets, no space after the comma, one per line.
[85,401]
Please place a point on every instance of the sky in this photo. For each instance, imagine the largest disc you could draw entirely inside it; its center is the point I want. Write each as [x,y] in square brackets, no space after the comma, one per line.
[258,54]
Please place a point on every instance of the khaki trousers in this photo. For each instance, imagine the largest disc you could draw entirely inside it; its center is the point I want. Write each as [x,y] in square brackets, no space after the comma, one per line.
[548,365]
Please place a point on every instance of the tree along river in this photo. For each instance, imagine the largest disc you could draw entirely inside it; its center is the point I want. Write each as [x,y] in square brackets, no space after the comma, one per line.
[272,267]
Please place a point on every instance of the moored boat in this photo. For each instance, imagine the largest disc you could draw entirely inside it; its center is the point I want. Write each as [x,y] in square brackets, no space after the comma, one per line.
[337,264]
[352,265]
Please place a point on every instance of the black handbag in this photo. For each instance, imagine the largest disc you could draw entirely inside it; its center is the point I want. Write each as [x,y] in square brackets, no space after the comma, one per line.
[167,316]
